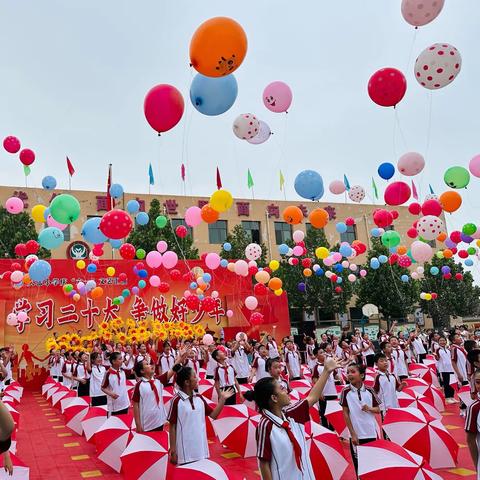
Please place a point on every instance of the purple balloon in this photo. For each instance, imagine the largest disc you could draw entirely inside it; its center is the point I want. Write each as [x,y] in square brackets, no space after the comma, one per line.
[301,287]
[449,243]
[445,269]
[466,238]
[135,290]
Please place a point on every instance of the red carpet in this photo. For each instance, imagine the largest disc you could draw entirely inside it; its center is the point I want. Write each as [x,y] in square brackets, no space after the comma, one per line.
[54,452]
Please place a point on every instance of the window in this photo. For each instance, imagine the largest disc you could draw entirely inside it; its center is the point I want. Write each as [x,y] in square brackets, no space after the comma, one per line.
[180,221]
[283,232]
[253,230]
[217,232]
[390,227]
[350,235]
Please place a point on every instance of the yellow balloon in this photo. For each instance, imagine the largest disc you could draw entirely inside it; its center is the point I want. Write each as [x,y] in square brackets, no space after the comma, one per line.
[110,271]
[221,200]
[278,292]
[262,276]
[37,213]
[322,252]
[428,296]
[478,243]
[307,272]
[274,265]
[80,264]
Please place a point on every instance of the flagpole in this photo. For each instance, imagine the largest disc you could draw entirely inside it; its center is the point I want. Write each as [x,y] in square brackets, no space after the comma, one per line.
[69,182]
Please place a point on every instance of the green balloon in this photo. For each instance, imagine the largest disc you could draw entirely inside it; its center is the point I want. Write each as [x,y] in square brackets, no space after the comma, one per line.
[65,209]
[391,238]
[68,287]
[161,221]
[457,177]
[140,253]
[471,250]
[116,301]
[469,229]
[125,293]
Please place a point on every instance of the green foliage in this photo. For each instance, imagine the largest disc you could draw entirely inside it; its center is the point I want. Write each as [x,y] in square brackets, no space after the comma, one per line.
[454,297]
[239,239]
[147,236]
[384,288]
[15,229]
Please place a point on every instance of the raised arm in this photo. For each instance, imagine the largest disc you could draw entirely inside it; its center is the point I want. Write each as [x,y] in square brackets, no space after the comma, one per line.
[317,390]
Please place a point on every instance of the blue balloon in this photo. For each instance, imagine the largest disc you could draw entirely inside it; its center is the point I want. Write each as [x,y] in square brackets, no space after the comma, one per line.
[386,171]
[91,268]
[345,250]
[121,299]
[339,280]
[46,213]
[116,190]
[91,232]
[374,263]
[338,268]
[133,206]
[309,185]
[301,287]
[193,285]
[382,259]
[207,278]
[142,284]
[404,278]
[319,272]
[125,293]
[341,227]
[142,218]
[468,262]
[213,95]
[142,273]
[434,270]
[283,249]
[39,270]
[116,244]
[50,237]
[91,284]
[227,246]
[49,182]
[223,262]
[375,232]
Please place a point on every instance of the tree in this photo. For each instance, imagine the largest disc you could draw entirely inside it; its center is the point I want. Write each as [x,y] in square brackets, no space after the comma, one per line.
[16,229]
[384,288]
[454,297]
[319,290]
[239,239]
[147,236]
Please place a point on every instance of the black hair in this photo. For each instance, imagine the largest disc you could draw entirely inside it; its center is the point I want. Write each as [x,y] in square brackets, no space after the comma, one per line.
[469,345]
[269,363]
[93,356]
[361,368]
[324,345]
[452,336]
[114,355]
[317,349]
[215,354]
[383,345]
[138,369]
[472,356]
[262,393]
[379,356]
[183,375]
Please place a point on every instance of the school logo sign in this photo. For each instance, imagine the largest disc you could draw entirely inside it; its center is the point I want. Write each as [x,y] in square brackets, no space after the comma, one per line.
[78,250]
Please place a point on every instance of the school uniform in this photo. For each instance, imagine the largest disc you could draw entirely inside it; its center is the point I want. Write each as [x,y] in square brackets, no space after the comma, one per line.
[166,362]
[472,425]
[188,414]
[261,371]
[419,349]
[97,375]
[369,354]
[311,362]
[148,393]
[272,349]
[385,387]
[193,364]
[142,358]
[400,368]
[211,366]
[391,364]
[355,351]
[128,365]
[459,355]
[68,370]
[284,384]
[56,366]
[445,369]
[80,371]
[116,381]
[292,359]
[281,442]
[225,376]
[241,365]
[329,393]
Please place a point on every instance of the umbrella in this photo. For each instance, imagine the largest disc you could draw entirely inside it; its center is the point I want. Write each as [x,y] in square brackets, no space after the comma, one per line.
[326,452]
[369,379]
[382,459]
[206,388]
[146,457]
[303,387]
[413,399]
[14,413]
[425,372]
[202,470]
[60,394]
[235,428]
[464,395]
[202,373]
[13,446]
[52,390]
[430,391]
[93,420]
[294,395]
[49,383]
[14,393]
[112,438]
[334,415]
[75,412]
[20,470]
[167,395]
[9,399]
[245,387]
[423,435]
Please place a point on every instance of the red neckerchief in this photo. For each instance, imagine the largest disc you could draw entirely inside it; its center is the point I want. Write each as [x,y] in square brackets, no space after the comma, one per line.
[390,362]
[154,390]
[296,446]
[112,371]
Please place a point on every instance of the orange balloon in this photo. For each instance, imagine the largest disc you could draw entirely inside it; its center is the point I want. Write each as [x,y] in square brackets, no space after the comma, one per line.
[218,47]
[442,237]
[319,218]
[26,279]
[450,201]
[275,283]
[208,214]
[97,292]
[447,253]
[292,215]
[401,250]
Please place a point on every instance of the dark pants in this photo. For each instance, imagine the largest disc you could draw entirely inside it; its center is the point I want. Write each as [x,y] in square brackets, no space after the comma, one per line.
[353,450]
[294,378]
[462,405]
[209,377]
[99,401]
[402,377]
[242,381]
[322,406]
[370,360]
[120,412]
[231,400]
[445,381]
[84,389]
[422,357]
[7,382]
[158,429]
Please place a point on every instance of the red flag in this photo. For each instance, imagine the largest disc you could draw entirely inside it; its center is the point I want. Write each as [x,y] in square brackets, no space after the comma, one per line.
[414,191]
[219,180]
[182,172]
[71,170]
[109,184]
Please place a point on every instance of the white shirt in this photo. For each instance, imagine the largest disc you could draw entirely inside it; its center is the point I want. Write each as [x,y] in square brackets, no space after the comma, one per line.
[240,363]
[444,362]
[129,361]
[80,371]
[386,388]
[293,361]
[96,378]
[166,362]
[369,350]
[211,365]
[311,360]
[329,389]
[117,383]
[459,355]
[399,357]
[68,370]
[272,349]
[152,412]
[261,372]
[225,375]
[418,346]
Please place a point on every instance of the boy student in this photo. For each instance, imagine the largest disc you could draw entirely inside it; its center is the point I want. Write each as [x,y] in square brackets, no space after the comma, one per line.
[274,368]
[259,365]
[400,360]
[240,350]
[115,386]
[97,374]
[292,359]
[445,368]
[387,350]
[386,384]
[225,379]
[472,424]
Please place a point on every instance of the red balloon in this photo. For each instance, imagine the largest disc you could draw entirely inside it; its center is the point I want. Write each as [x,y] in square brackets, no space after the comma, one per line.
[387,87]
[127,251]
[447,276]
[458,276]
[116,224]
[415,208]
[463,254]
[181,231]
[392,260]
[252,270]
[260,289]
[97,250]
[338,290]
[163,107]
[175,274]
[27,157]
[203,256]
[432,207]
[404,261]
[434,296]
[359,247]
[454,250]
[395,214]
[256,318]
[11,144]
[397,193]
[294,261]
[412,232]
[456,236]
[16,266]
[122,277]
[32,247]
[333,278]
[140,265]
[382,218]
[21,250]
[208,304]
[6,275]
[306,262]
[350,221]
[268,270]
[192,302]
[164,287]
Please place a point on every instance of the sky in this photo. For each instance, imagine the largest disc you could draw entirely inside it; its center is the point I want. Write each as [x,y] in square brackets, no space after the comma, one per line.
[73,77]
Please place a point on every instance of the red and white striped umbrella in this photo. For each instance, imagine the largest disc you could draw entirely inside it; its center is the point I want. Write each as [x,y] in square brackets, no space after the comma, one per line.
[202,373]
[10,400]
[146,457]
[423,435]
[235,428]
[431,362]
[60,394]
[16,388]
[464,395]
[53,390]
[14,413]
[202,470]
[93,420]
[75,412]
[383,459]
[423,371]
[430,391]
[130,388]
[14,393]
[294,395]
[112,438]
[167,395]
[411,398]
[20,470]
[303,387]
[334,415]
[48,384]
[64,402]
[369,380]
[206,388]
[326,452]
[245,387]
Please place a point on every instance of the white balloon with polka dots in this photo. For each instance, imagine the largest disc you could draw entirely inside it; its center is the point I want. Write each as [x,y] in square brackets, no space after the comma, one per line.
[356,193]
[429,227]
[246,126]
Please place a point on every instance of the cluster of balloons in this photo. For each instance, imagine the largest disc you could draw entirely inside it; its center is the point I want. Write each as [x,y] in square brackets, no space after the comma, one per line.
[12,145]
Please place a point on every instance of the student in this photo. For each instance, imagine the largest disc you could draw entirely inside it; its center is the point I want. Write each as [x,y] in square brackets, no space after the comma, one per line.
[473,364]
[274,368]
[225,379]
[387,350]
[360,404]
[259,365]
[8,357]
[115,386]
[143,355]
[55,364]
[211,363]
[67,371]
[292,359]
[282,450]
[418,346]
[97,374]
[128,362]
[400,361]
[310,356]
[459,364]
[386,385]
[166,360]
[272,347]
[368,351]
[187,430]
[81,375]
[445,368]
[472,424]
[240,363]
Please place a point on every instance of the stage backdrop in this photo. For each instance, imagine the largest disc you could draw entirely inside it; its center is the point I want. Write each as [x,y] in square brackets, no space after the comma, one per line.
[50,310]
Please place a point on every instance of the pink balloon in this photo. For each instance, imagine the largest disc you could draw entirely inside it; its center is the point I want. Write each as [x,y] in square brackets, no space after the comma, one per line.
[14,205]
[421,12]
[421,251]
[363,273]
[474,166]
[170,259]
[193,216]
[208,340]
[162,246]
[410,164]
[337,187]
[251,303]
[154,280]
[328,262]
[51,222]
[212,260]
[241,268]
[163,107]
[336,256]
[298,250]
[11,144]
[397,193]
[298,236]
[12,319]
[277,97]
[22,317]
[154,259]
[229,313]
[16,276]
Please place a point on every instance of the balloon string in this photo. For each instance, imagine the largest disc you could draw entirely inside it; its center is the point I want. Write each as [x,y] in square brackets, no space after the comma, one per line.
[402,136]
[186,136]
[394,143]
[414,38]
[429,125]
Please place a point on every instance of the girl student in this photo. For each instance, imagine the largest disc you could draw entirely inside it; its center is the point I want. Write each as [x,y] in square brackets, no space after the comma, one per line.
[67,370]
[187,430]
[97,374]
[445,368]
[81,375]
[281,446]
[114,385]
[472,423]
[225,378]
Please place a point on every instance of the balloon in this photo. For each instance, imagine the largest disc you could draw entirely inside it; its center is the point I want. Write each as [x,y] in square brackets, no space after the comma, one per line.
[37,213]
[133,206]
[50,238]
[162,246]
[246,126]
[116,190]
[154,280]
[212,260]
[154,259]
[319,218]
[337,187]
[432,207]
[298,250]
[386,171]
[115,243]
[193,216]
[253,251]
[32,246]
[298,236]
[140,253]
[181,231]
[241,268]
[262,277]
[16,276]
[410,164]
[27,156]
[209,214]
[161,221]
[387,87]
[429,227]
[221,200]
[39,271]
[142,218]
[163,107]
[11,144]
[341,227]
[292,215]
[116,224]
[309,185]
[208,340]
[91,268]
[356,194]
[456,177]
[127,251]
[274,265]
[397,193]
[110,271]
[421,251]
[49,182]
[14,205]
[53,223]
[469,229]
[421,12]
[437,66]
[277,97]
[65,208]
[391,239]
[251,303]
[213,96]
[382,218]
[263,134]
[474,166]
[170,259]
[321,252]
[450,201]
[218,47]
[275,283]
[12,319]
[80,264]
